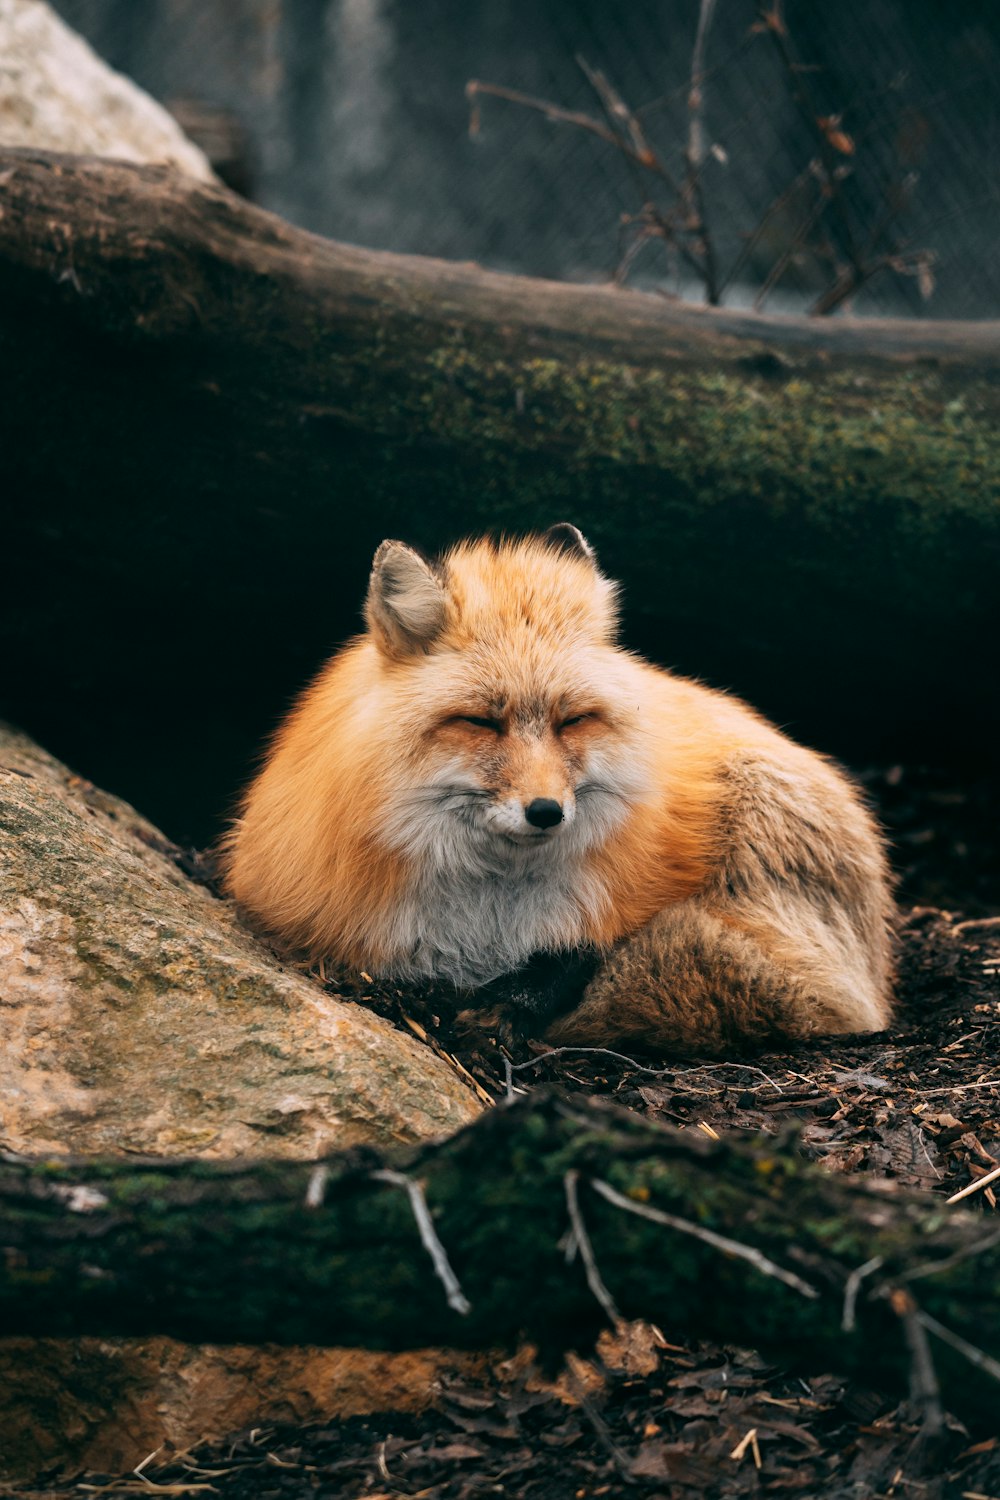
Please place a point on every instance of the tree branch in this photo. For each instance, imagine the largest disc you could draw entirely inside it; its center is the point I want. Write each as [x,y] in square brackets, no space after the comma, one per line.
[738,1239]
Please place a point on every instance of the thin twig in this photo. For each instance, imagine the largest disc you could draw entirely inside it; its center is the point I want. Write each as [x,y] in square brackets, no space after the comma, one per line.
[706,12]
[977,924]
[774,27]
[752,240]
[852,280]
[661,101]
[428,1235]
[749,1253]
[930,1160]
[925,1391]
[975,1187]
[799,238]
[851,1289]
[533,1062]
[968,1252]
[648,1072]
[635,145]
[641,236]
[977,1357]
[618,115]
[510,1068]
[553,112]
[961,1088]
[594,1278]
[695,154]
[625,129]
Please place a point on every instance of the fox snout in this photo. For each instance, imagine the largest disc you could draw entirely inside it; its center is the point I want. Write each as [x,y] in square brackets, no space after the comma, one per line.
[532,818]
[544,812]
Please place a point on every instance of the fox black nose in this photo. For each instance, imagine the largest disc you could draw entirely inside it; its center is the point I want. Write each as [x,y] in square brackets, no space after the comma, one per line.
[544,812]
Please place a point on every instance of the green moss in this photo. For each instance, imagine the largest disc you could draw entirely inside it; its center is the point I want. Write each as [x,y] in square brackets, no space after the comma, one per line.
[831,442]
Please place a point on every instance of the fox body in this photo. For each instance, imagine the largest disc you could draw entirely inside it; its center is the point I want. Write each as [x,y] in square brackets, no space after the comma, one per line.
[484,776]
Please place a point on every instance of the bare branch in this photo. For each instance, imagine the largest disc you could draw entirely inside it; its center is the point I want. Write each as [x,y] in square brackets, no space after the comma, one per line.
[629,135]
[695,154]
[553,112]
[621,119]
[977,924]
[772,22]
[621,129]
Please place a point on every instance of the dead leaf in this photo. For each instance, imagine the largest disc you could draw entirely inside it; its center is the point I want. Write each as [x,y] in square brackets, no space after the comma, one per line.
[835,137]
[673,1461]
[452,1453]
[633,1348]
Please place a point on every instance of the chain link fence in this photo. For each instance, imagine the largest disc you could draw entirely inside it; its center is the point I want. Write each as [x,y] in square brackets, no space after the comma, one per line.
[848,153]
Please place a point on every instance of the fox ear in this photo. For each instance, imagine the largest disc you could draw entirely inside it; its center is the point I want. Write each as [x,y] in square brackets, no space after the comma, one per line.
[406,604]
[566,538]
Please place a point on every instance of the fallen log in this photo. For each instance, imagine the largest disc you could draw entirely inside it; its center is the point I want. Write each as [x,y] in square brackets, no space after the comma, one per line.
[210,418]
[544,1218]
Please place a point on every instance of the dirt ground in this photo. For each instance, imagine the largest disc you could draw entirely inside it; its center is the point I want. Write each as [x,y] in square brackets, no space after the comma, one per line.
[919,1102]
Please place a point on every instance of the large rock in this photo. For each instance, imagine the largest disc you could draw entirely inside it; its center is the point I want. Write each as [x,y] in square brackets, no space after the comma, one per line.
[58,94]
[139,1015]
[106,1404]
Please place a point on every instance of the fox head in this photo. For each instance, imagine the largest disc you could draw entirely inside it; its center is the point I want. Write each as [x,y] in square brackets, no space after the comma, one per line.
[515,714]
[482,775]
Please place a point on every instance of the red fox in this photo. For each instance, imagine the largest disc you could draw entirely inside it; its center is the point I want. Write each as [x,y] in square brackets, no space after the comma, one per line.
[485,776]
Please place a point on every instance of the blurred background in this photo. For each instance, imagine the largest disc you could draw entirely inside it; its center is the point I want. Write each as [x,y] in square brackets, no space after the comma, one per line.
[349,117]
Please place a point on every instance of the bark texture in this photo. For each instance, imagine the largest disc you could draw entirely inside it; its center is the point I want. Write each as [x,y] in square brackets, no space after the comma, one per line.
[211,418]
[289,1251]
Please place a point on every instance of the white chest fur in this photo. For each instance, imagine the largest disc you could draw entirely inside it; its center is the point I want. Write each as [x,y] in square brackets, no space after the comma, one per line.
[467,926]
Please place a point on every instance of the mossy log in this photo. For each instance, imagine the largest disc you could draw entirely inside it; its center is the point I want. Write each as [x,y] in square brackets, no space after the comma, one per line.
[759,1247]
[210,418]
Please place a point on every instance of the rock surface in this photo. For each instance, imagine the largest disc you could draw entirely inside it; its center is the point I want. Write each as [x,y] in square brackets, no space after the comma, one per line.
[103,1405]
[138,1015]
[58,94]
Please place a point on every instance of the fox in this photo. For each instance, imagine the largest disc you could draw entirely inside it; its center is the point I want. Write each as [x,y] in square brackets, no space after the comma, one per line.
[485,784]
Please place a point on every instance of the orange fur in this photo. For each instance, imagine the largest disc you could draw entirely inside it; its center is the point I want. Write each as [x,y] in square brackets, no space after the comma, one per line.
[393,825]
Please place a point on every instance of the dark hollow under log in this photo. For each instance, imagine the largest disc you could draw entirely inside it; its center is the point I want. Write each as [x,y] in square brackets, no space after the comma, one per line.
[210,418]
[331,1253]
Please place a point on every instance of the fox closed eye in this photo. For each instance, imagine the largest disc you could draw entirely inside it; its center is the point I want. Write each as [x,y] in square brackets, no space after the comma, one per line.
[481,723]
[574,719]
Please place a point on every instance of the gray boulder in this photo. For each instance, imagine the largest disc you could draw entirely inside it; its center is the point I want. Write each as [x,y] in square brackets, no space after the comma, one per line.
[57,94]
